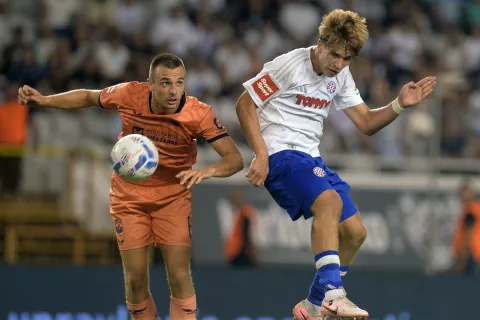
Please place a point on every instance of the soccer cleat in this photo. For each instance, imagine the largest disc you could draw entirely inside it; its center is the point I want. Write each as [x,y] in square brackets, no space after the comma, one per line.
[342,308]
[300,312]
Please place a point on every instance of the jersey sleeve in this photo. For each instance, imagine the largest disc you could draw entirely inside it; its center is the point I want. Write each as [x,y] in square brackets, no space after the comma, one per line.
[210,127]
[110,97]
[349,96]
[275,77]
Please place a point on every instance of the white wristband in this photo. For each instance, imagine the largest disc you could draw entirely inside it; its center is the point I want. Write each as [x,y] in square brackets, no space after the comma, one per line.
[396,106]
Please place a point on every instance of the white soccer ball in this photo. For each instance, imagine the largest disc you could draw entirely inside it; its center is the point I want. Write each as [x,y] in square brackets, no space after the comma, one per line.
[134,157]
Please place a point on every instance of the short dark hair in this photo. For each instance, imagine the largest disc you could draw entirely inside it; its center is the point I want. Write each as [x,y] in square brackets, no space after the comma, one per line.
[168,60]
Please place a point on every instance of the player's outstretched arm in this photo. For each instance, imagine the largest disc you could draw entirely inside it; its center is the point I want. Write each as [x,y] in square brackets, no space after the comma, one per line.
[248,118]
[75,99]
[231,163]
[370,122]
[232,160]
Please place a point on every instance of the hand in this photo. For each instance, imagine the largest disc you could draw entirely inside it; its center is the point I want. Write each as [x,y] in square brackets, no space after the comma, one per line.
[195,176]
[258,171]
[412,93]
[30,97]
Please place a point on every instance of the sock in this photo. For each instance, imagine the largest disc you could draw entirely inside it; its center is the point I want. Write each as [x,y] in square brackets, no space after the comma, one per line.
[145,310]
[344,270]
[327,277]
[183,309]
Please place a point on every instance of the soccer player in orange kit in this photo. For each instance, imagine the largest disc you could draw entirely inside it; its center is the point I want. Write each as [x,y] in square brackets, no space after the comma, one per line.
[157,210]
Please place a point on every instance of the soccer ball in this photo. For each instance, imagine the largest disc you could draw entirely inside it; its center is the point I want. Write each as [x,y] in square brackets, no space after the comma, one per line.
[134,158]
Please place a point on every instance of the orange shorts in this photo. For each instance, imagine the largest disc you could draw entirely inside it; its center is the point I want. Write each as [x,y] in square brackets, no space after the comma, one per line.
[146,214]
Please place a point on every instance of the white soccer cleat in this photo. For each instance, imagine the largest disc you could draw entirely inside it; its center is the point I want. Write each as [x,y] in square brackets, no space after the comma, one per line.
[336,305]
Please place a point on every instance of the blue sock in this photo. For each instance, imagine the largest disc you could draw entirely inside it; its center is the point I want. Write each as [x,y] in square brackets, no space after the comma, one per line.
[344,270]
[328,276]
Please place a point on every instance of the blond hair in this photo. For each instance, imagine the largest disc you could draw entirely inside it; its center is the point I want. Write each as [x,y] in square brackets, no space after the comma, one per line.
[343,30]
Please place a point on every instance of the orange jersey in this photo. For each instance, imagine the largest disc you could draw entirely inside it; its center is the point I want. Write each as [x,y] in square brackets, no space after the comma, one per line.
[174,135]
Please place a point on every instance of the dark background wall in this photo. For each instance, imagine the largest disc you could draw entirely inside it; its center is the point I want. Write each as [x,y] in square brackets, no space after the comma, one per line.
[96,293]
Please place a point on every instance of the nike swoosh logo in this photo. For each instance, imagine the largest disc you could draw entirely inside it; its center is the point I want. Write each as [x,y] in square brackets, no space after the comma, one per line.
[304,318]
[334,312]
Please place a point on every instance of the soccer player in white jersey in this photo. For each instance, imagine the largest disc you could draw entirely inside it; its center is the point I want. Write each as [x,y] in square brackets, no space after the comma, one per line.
[282,113]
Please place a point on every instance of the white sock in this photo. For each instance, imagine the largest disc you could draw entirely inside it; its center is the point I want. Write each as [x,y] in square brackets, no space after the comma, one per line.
[335,294]
[312,309]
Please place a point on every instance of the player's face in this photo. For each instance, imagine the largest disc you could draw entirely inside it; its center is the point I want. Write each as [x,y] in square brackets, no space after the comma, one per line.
[167,87]
[331,61]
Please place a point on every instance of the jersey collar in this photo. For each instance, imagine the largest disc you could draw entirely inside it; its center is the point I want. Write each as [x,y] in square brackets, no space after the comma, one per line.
[182,102]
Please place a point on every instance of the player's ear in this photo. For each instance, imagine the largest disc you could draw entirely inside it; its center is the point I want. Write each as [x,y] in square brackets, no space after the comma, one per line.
[320,45]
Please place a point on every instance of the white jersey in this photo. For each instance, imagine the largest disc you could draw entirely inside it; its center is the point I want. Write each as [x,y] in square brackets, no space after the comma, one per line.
[293,101]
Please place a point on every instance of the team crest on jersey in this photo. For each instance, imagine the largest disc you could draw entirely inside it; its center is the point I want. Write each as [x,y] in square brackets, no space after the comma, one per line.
[137,130]
[217,124]
[319,172]
[118,226]
[331,87]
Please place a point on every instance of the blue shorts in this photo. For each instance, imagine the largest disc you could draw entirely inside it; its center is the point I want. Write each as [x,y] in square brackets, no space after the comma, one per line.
[296,179]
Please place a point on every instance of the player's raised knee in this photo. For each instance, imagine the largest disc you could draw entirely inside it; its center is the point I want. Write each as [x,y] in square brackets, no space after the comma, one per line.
[328,202]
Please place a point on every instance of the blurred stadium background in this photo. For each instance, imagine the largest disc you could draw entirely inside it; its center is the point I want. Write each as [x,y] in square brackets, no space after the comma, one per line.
[58,254]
